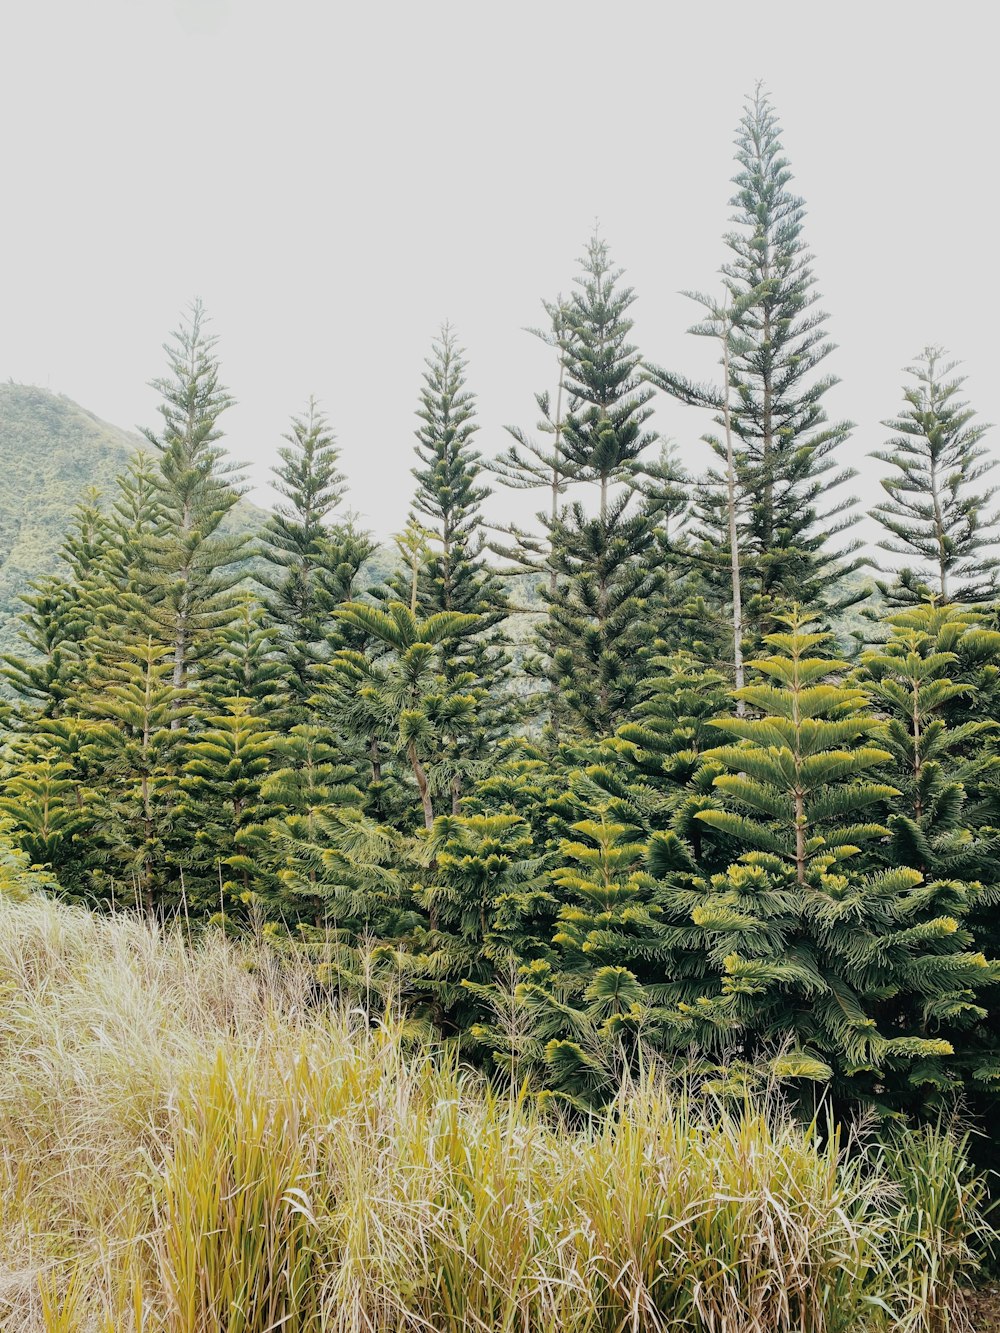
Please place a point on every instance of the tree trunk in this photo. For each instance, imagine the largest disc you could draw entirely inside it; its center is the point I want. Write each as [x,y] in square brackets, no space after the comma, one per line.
[423,786]
[734,549]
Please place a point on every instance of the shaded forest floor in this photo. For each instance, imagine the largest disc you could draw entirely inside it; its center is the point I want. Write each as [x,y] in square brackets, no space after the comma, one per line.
[984,1309]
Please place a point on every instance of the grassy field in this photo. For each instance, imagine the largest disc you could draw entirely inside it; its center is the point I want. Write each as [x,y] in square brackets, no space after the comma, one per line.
[189,1144]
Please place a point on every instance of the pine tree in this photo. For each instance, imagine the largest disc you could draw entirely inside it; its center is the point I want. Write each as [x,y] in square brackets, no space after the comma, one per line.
[316,560]
[124,596]
[454,577]
[47,791]
[604,429]
[449,494]
[224,770]
[193,566]
[339,879]
[138,750]
[813,943]
[604,564]
[244,658]
[785,449]
[51,627]
[541,463]
[59,615]
[396,696]
[465,872]
[943,747]
[940,742]
[935,511]
[600,616]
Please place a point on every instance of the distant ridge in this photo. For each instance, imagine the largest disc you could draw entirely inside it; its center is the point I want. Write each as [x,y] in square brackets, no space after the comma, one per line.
[51,451]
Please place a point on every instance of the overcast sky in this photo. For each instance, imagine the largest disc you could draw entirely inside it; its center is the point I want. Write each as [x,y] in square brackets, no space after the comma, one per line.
[336,179]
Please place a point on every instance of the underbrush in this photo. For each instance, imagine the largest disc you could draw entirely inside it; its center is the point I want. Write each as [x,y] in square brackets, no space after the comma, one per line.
[188,1146]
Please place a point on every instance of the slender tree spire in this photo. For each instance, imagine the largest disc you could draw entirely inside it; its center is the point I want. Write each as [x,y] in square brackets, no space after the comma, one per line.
[193,566]
[935,511]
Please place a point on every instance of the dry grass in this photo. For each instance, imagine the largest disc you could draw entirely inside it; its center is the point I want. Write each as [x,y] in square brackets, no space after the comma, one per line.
[188,1146]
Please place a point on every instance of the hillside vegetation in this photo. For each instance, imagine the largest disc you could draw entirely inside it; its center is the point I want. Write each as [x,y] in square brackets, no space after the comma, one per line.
[585,926]
[51,451]
[190,1144]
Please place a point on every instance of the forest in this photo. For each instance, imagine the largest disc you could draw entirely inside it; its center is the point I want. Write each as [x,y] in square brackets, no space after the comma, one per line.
[667,823]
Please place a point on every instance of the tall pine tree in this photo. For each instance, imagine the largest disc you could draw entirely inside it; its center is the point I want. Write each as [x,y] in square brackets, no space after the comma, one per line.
[315,559]
[936,511]
[791,511]
[193,566]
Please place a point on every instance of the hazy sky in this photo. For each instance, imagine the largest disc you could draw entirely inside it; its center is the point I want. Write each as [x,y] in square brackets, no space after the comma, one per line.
[335,180]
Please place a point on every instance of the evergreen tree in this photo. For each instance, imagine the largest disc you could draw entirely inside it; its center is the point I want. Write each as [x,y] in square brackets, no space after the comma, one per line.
[454,578]
[316,560]
[137,755]
[604,564]
[465,871]
[51,627]
[785,450]
[124,595]
[856,966]
[193,566]
[224,772]
[244,659]
[935,510]
[535,463]
[59,614]
[396,695]
[47,791]
[449,495]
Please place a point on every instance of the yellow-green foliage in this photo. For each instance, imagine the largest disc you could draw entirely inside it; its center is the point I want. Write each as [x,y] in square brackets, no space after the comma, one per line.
[188,1146]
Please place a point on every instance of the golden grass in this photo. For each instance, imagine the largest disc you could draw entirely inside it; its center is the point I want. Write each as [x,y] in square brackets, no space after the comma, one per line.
[188,1145]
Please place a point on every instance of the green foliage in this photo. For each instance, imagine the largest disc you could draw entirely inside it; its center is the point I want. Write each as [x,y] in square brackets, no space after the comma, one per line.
[222,802]
[557,839]
[51,450]
[191,565]
[935,510]
[789,509]
[314,561]
[604,570]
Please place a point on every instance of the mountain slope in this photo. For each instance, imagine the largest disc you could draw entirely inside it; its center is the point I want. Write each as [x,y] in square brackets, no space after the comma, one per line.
[51,450]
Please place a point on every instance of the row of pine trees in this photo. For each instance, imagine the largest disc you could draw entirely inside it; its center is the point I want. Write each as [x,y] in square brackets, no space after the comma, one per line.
[624,784]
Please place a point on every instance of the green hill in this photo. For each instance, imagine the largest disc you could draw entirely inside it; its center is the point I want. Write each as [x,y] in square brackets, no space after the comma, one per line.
[51,450]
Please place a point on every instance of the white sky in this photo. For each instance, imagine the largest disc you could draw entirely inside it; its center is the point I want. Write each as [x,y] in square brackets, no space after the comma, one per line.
[334,180]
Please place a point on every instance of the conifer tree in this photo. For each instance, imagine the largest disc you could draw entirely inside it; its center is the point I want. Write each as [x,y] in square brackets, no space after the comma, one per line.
[454,578]
[47,791]
[124,597]
[449,493]
[936,512]
[541,463]
[465,871]
[604,566]
[224,771]
[604,431]
[785,456]
[59,614]
[316,559]
[193,566]
[51,628]
[940,742]
[339,879]
[138,751]
[397,696]
[244,659]
[943,748]
[814,944]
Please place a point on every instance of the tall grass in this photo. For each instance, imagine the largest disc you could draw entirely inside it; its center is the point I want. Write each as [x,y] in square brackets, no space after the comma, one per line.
[188,1145]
